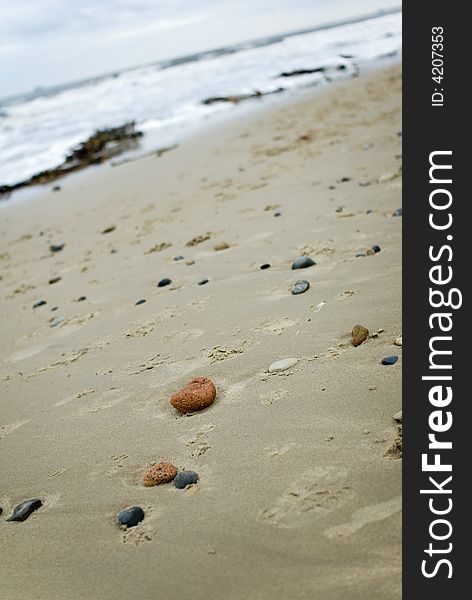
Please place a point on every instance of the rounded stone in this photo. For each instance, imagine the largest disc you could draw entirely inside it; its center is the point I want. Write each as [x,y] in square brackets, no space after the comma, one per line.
[303,262]
[81,298]
[370,252]
[376,248]
[164,282]
[185,478]
[162,472]
[199,393]
[203,281]
[39,303]
[282,365]
[221,246]
[300,287]
[130,517]
[398,212]
[180,257]
[360,255]
[390,360]
[265,266]
[359,335]
[140,301]
[277,214]
[56,247]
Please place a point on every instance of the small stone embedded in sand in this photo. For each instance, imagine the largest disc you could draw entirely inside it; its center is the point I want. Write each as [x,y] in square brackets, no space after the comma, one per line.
[56,188]
[386,177]
[376,248]
[198,239]
[23,510]
[203,281]
[109,229]
[398,341]
[221,246]
[277,214]
[162,472]
[398,417]
[282,365]
[265,266]
[39,303]
[390,360]
[130,517]
[81,298]
[56,247]
[370,252]
[303,262]
[359,335]
[56,321]
[199,393]
[54,280]
[185,478]
[164,282]
[190,262]
[398,212]
[140,301]
[364,183]
[179,257]
[300,287]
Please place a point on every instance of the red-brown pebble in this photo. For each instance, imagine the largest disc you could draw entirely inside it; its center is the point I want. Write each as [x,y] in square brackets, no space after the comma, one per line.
[359,335]
[199,393]
[163,472]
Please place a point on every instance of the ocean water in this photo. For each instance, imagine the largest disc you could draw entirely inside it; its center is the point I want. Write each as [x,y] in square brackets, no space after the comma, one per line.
[165,99]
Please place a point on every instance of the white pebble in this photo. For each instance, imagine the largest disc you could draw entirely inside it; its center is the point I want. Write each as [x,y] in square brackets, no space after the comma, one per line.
[282,365]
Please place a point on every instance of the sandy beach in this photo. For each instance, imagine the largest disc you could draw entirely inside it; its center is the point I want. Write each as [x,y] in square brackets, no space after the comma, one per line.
[296,497]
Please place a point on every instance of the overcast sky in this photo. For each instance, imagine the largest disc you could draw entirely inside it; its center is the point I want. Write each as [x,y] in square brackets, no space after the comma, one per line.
[48,42]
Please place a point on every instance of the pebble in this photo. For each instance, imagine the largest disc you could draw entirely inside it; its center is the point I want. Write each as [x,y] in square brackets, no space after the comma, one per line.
[370,252]
[282,365]
[162,472]
[164,282]
[56,188]
[130,517]
[54,308]
[368,211]
[180,257]
[265,266]
[390,360]
[56,247]
[23,510]
[221,246]
[359,254]
[109,229]
[57,321]
[54,280]
[303,262]
[277,214]
[190,262]
[386,177]
[299,287]
[359,335]
[364,183]
[203,281]
[399,341]
[39,303]
[81,298]
[199,393]
[376,248]
[140,301]
[398,212]
[185,478]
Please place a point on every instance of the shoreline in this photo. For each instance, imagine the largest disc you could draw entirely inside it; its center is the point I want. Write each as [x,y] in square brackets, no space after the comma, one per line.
[296,497]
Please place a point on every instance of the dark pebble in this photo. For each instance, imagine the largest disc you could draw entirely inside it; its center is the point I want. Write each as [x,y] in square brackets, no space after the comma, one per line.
[179,257]
[359,254]
[345,179]
[56,188]
[203,281]
[164,282]
[376,248]
[398,212]
[54,280]
[54,308]
[130,516]
[265,266]
[113,251]
[277,214]
[390,360]
[367,212]
[23,510]
[303,262]
[141,301]
[185,478]
[56,247]
[39,303]
[300,287]
[109,229]
[332,187]
[81,298]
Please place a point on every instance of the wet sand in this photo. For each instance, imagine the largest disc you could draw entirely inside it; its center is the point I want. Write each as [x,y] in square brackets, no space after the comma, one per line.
[296,498]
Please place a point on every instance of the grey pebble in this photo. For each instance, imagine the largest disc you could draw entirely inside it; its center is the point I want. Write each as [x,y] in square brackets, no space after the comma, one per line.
[398,212]
[299,287]
[57,321]
[164,282]
[303,262]
[56,247]
[185,478]
[130,517]
[390,360]
[39,303]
